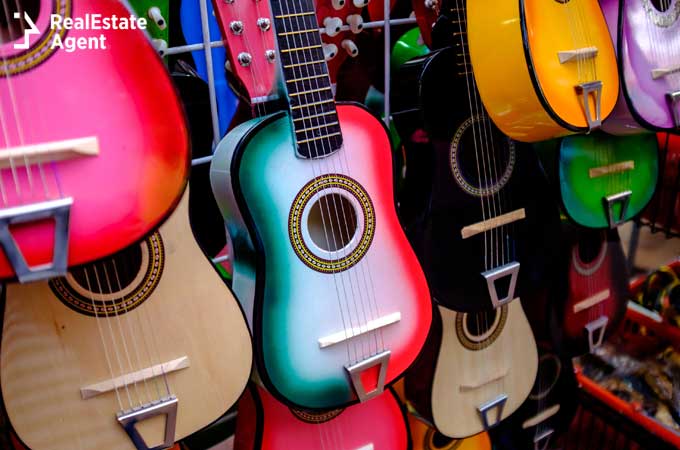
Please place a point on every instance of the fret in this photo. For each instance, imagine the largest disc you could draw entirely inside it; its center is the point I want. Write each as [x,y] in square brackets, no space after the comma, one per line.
[305,63]
[295,80]
[291,33]
[318,127]
[286,16]
[299,49]
[314,116]
[318,138]
[311,91]
[309,105]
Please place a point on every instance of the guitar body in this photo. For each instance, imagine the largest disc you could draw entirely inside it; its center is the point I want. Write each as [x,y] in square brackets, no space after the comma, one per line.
[303,289]
[530,95]
[598,286]
[57,345]
[265,424]
[444,193]
[427,438]
[123,99]
[648,46]
[594,167]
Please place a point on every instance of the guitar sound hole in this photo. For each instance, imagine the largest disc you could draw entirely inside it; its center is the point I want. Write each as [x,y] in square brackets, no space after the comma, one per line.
[12,29]
[439,441]
[589,245]
[113,274]
[549,369]
[479,324]
[332,222]
[661,5]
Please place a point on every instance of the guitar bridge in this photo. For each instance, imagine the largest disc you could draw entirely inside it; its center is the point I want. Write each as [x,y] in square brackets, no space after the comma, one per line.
[622,199]
[674,104]
[586,91]
[493,275]
[130,418]
[542,440]
[355,371]
[595,331]
[496,404]
[60,211]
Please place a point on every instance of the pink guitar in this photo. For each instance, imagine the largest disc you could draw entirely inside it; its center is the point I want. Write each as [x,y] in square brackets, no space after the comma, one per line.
[265,424]
[647,34]
[93,144]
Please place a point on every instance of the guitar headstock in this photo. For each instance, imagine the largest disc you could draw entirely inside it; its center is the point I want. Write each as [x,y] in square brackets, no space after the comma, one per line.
[338,44]
[248,32]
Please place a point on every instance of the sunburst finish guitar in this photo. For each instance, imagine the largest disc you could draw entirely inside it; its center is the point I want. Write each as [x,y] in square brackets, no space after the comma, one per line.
[339,305]
[427,438]
[137,350]
[544,68]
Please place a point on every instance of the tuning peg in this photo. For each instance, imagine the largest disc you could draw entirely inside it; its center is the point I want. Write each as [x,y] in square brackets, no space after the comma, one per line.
[360,3]
[338,4]
[431,4]
[330,51]
[154,14]
[160,45]
[332,25]
[350,47]
[355,22]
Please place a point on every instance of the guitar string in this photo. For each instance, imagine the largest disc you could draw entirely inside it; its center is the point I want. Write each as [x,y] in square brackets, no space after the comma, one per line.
[308,41]
[370,303]
[299,72]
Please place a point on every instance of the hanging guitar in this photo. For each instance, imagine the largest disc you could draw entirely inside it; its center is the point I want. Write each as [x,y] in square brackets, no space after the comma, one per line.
[265,424]
[340,308]
[646,34]
[157,14]
[93,166]
[544,68]
[603,180]
[598,289]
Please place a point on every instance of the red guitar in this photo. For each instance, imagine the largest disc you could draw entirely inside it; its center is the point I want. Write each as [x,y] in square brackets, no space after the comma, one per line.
[265,424]
[93,143]
[598,288]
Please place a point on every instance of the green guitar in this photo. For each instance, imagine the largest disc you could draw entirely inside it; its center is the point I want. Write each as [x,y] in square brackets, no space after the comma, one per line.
[604,180]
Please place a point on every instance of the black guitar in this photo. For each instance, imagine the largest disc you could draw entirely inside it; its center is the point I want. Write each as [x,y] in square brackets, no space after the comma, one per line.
[475,204]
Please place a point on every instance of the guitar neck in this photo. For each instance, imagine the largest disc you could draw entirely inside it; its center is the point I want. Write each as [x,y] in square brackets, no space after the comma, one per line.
[305,73]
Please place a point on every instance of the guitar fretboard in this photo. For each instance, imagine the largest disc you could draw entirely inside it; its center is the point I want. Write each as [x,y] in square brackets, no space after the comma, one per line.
[305,73]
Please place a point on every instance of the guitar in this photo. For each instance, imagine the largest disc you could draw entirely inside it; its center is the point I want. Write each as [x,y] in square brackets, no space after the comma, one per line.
[338,44]
[475,205]
[598,289]
[427,438]
[74,186]
[338,303]
[265,424]
[646,34]
[116,345]
[190,17]
[475,371]
[156,13]
[544,68]
[604,180]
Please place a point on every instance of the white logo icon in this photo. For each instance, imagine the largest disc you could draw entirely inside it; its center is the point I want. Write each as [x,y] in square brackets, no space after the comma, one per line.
[27,33]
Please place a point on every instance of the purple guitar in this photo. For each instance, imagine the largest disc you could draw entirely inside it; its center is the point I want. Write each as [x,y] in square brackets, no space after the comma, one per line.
[647,38]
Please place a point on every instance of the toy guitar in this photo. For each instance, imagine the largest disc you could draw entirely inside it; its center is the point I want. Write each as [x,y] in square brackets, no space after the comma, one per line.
[598,289]
[539,74]
[265,424]
[427,438]
[647,36]
[474,204]
[339,306]
[604,180]
[118,344]
[157,13]
[94,165]
[190,17]
[338,45]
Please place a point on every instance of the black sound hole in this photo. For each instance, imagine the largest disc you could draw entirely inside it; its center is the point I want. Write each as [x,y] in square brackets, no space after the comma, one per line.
[12,29]
[480,323]
[332,222]
[483,155]
[589,245]
[111,275]
[440,441]
[661,5]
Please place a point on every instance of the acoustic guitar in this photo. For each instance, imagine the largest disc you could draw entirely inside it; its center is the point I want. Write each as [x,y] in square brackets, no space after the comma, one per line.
[137,350]
[647,37]
[427,438]
[544,68]
[265,424]
[475,204]
[339,305]
[603,180]
[93,166]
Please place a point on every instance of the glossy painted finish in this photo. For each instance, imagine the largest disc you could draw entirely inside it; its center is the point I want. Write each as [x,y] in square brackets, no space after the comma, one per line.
[265,424]
[427,438]
[123,98]
[646,39]
[255,177]
[157,30]
[589,275]
[408,46]
[190,17]
[514,47]
[582,196]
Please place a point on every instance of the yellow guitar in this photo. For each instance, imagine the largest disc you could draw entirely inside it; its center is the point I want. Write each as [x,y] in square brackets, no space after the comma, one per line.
[427,438]
[544,68]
